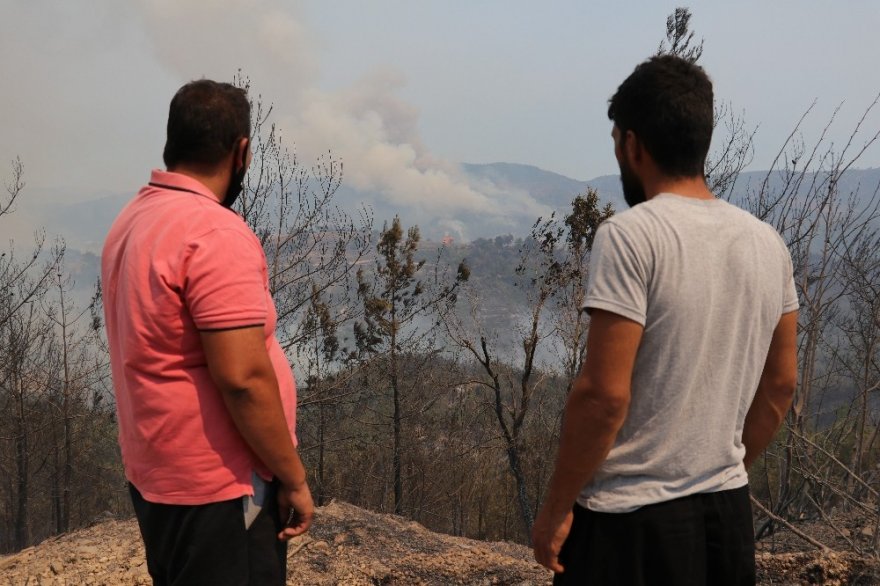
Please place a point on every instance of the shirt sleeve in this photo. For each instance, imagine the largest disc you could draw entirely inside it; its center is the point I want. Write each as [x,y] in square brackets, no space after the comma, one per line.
[225,280]
[790,299]
[618,278]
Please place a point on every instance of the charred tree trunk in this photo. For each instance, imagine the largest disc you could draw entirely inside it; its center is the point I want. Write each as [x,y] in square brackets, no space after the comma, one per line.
[22,467]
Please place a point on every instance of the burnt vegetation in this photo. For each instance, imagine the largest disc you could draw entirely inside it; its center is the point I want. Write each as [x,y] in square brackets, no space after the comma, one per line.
[432,379]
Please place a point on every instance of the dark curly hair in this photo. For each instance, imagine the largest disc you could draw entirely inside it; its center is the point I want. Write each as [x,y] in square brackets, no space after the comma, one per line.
[205,120]
[667,102]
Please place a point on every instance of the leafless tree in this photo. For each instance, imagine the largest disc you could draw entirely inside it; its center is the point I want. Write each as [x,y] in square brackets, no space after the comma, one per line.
[861,330]
[21,280]
[22,386]
[830,226]
[398,304]
[551,272]
[78,366]
[311,244]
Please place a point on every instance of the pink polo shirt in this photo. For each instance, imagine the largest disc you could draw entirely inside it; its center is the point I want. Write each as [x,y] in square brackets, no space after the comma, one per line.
[176,262]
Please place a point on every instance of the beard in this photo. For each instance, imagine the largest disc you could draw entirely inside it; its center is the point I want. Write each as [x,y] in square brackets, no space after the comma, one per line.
[633,189]
[236,185]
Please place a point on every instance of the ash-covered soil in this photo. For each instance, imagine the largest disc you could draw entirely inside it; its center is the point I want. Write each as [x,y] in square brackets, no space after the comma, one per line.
[346,545]
[351,546]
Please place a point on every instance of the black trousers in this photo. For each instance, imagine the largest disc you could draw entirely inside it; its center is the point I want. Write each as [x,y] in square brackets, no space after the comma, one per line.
[191,545]
[700,540]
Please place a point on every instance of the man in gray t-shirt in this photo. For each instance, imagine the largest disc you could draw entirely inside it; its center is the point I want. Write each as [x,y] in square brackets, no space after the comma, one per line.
[691,361]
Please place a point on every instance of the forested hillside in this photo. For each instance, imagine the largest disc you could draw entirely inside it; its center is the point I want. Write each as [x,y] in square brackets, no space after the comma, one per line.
[432,377]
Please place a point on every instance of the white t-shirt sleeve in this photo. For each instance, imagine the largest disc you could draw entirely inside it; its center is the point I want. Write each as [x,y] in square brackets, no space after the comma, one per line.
[790,300]
[618,277]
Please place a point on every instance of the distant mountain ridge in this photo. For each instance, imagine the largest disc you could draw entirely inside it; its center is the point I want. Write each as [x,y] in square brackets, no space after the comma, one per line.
[84,224]
[548,187]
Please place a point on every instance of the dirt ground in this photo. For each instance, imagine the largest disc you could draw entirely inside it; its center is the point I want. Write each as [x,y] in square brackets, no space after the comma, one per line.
[782,558]
[352,546]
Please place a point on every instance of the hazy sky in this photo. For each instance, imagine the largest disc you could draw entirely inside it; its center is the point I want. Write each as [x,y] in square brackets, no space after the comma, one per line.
[402,90]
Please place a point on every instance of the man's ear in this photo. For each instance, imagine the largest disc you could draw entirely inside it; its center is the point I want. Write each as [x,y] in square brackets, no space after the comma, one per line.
[242,152]
[633,146]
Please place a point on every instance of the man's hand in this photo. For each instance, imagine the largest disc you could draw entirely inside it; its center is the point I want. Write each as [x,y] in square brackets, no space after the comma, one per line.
[596,409]
[548,534]
[296,506]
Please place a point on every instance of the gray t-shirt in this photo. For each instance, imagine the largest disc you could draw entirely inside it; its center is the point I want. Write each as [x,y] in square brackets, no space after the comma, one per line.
[709,283]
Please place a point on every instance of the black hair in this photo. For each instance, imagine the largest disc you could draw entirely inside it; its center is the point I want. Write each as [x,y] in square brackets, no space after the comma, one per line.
[667,102]
[205,120]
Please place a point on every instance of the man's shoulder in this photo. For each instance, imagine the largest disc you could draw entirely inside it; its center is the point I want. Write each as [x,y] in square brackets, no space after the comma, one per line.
[626,218]
[629,228]
[654,218]
[632,222]
[223,227]
[214,216]
[196,215]
[752,222]
[181,220]
[675,207]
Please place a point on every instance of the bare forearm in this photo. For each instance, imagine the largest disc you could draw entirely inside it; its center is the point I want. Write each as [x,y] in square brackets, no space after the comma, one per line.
[259,417]
[242,370]
[596,409]
[588,433]
[763,420]
[775,389]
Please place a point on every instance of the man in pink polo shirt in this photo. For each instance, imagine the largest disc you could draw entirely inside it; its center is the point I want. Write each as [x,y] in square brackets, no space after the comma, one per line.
[205,397]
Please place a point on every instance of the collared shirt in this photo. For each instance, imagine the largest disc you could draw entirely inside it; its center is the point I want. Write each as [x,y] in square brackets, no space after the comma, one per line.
[176,262]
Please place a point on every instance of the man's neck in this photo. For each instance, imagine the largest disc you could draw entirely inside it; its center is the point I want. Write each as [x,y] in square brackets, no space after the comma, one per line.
[215,180]
[693,187]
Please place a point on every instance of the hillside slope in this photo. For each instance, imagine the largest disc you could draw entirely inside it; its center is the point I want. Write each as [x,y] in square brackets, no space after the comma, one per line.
[347,545]
[351,546]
